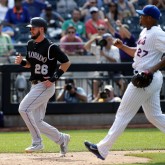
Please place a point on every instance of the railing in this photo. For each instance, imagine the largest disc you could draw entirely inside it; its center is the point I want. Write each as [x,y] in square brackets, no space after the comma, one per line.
[11,108]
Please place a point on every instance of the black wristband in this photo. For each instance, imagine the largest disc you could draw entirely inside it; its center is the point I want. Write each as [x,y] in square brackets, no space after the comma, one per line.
[57,75]
[23,62]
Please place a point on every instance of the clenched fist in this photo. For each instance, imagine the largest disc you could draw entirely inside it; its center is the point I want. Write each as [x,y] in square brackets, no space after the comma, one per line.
[18,59]
[118,43]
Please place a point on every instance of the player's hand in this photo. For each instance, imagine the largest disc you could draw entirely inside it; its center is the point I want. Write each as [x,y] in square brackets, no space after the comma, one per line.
[118,43]
[47,83]
[118,23]
[18,59]
[101,53]
[98,38]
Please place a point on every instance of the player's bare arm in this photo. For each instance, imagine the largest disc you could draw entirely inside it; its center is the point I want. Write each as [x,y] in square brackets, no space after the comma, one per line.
[65,66]
[158,66]
[129,50]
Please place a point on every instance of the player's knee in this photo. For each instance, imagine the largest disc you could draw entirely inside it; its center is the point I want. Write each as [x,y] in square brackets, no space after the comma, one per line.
[151,118]
[39,123]
[21,110]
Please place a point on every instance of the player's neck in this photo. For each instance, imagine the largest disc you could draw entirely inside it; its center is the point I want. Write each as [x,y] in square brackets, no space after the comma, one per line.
[39,39]
[149,27]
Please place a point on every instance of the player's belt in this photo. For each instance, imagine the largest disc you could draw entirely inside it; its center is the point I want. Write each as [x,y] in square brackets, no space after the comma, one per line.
[35,81]
[135,72]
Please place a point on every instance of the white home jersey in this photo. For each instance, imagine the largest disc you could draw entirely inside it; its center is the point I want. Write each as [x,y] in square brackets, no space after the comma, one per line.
[150,48]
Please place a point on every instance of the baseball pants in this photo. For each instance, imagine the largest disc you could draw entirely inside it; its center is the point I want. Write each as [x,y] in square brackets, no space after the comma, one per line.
[33,108]
[133,98]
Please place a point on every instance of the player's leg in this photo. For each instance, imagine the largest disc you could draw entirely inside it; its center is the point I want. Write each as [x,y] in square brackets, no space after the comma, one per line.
[36,97]
[132,100]
[45,128]
[153,112]
[130,104]
[152,107]
[51,132]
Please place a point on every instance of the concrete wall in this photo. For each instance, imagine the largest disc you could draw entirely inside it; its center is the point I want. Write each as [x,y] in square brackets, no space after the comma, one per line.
[76,121]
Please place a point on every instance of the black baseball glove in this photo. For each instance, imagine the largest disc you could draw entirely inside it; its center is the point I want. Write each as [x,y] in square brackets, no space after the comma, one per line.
[142,80]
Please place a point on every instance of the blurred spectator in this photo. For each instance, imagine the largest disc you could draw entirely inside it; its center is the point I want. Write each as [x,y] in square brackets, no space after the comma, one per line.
[139,4]
[80,3]
[113,15]
[93,23]
[159,3]
[75,21]
[101,29]
[65,7]
[70,43]
[85,10]
[34,7]
[3,9]
[125,35]
[6,47]
[71,93]
[9,30]
[126,8]
[105,52]
[17,15]
[54,21]
[107,95]
[51,16]
[106,2]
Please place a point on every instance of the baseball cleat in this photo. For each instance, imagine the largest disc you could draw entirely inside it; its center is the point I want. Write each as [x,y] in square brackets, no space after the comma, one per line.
[93,148]
[64,145]
[34,148]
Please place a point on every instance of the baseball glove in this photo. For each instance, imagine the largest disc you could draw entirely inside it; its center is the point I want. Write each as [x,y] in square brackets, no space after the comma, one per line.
[142,80]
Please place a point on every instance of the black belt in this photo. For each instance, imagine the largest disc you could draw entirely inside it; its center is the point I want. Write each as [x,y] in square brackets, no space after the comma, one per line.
[35,81]
[135,72]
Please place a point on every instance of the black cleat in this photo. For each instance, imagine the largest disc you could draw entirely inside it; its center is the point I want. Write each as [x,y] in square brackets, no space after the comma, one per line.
[93,148]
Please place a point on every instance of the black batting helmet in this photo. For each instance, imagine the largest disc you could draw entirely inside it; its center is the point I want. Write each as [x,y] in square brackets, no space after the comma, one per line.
[38,22]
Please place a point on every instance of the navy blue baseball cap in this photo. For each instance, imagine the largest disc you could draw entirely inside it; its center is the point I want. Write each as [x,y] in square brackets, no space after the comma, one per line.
[37,22]
[150,10]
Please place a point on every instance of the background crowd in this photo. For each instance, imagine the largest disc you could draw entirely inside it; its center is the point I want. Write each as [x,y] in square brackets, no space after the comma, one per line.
[79,27]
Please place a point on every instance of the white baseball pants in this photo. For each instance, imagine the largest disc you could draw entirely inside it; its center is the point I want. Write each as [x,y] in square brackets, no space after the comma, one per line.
[33,108]
[148,98]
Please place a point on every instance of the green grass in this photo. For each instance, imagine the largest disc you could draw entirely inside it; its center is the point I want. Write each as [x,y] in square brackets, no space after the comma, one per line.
[131,139]
[156,158]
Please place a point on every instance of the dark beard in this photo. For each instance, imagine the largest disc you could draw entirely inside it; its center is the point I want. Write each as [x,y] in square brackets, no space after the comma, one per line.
[36,36]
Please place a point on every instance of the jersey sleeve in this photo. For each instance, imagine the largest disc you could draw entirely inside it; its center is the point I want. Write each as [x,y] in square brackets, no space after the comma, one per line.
[56,52]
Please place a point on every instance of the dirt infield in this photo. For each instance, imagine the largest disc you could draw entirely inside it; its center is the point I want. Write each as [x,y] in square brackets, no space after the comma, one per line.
[76,158]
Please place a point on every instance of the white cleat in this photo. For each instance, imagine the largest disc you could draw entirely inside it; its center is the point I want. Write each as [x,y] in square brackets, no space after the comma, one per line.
[34,148]
[64,145]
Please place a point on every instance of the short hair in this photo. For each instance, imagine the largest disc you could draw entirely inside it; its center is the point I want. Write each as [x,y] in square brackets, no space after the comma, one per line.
[69,81]
[70,27]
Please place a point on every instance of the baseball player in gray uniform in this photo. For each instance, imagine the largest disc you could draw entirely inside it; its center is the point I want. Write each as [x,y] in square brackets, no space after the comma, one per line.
[147,54]
[42,56]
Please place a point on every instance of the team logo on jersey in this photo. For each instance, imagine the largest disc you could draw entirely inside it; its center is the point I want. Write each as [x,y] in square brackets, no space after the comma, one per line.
[37,56]
[142,41]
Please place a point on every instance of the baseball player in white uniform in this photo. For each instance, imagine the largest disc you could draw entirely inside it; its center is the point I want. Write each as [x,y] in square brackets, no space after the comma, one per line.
[147,54]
